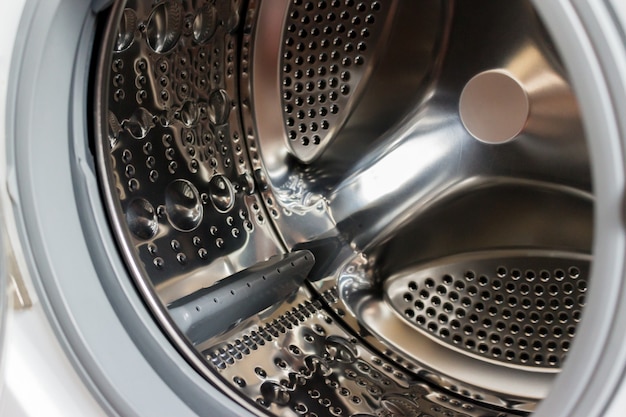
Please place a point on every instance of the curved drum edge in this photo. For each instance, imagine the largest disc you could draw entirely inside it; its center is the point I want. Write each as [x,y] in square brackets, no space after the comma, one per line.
[591,43]
[124,371]
[101,322]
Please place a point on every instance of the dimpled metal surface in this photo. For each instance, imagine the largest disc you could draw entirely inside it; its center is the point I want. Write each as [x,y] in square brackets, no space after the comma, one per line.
[178,167]
[303,363]
[449,274]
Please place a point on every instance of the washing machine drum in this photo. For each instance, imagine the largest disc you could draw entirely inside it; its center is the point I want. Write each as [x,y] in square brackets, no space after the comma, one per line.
[348,208]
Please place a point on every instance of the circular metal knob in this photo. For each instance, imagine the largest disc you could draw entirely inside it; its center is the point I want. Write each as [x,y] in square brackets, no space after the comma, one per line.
[494,106]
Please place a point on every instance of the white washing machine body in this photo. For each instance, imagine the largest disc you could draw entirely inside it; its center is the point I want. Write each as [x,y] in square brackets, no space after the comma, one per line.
[84,342]
[41,376]
[35,381]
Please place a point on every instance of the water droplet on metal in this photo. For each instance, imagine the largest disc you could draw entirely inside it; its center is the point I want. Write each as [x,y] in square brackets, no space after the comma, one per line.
[233,17]
[114,129]
[274,393]
[189,113]
[139,124]
[399,406]
[204,24]
[183,206]
[164,26]
[221,193]
[340,349]
[141,219]
[219,106]
[324,369]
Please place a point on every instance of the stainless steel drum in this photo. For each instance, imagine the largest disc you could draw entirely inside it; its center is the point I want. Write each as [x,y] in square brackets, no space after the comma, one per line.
[350,207]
